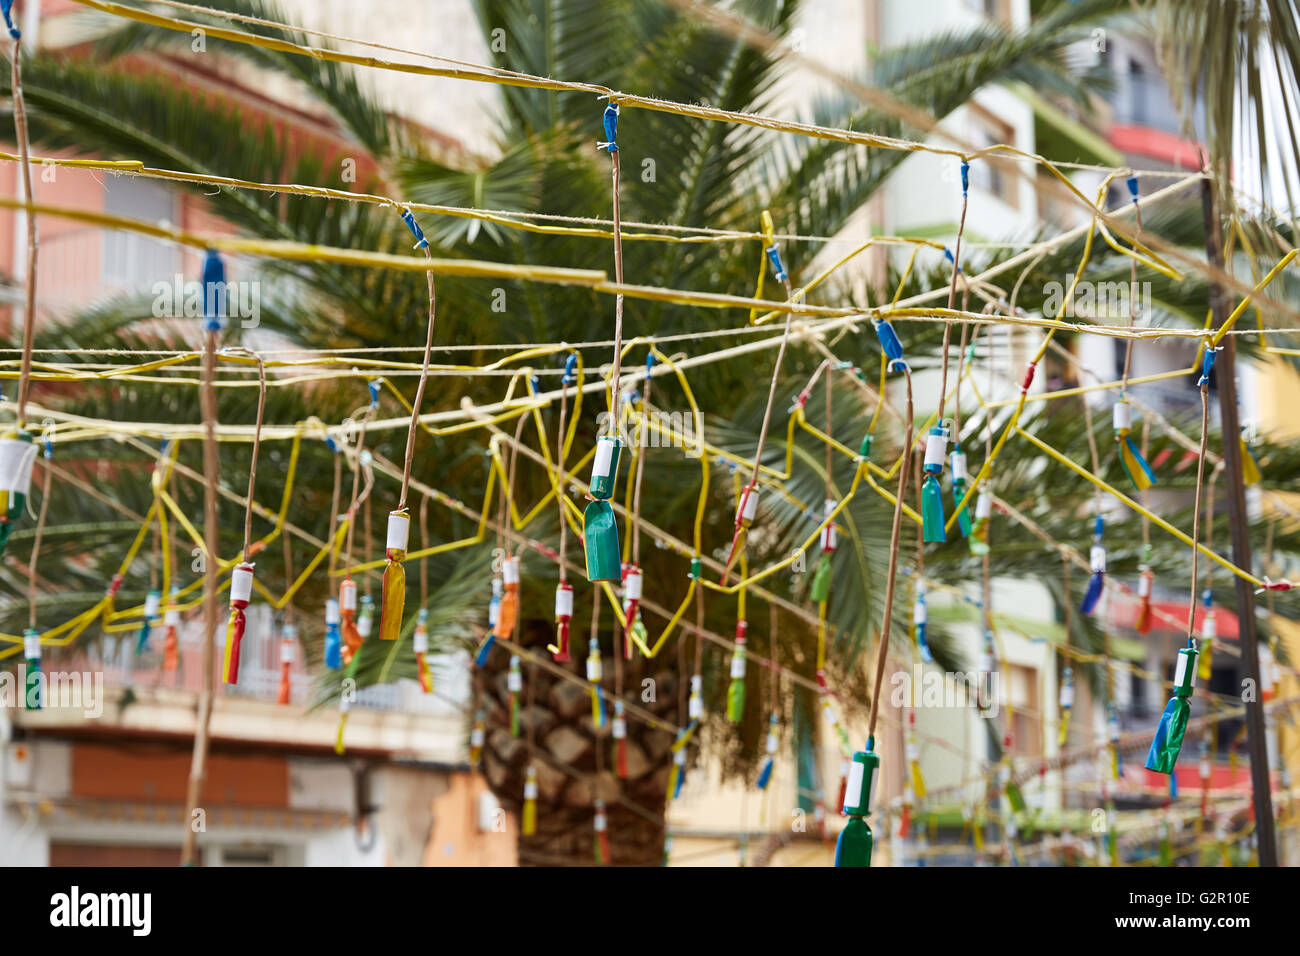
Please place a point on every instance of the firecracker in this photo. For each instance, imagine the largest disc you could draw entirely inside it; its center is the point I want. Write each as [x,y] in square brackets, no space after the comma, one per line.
[348,626]
[853,848]
[32,653]
[619,733]
[599,527]
[769,750]
[152,605]
[563,617]
[594,676]
[1168,740]
[508,613]
[288,642]
[420,640]
[746,511]
[1209,635]
[171,634]
[392,601]
[333,635]
[1130,457]
[529,825]
[1146,581]
[1097,563]
[957,465]
[17,457]
[912,752]
[477,735]
[241,592]
[932,517]
[1066,704]
[494,615]
[601,827]
[978,540]
[920,619]
[366,617]
[514,687]
[632,584]
[736,689]
[695,702]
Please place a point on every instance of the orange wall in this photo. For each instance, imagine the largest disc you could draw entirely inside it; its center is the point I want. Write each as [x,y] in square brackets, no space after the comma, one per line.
[455,838]
[118,773]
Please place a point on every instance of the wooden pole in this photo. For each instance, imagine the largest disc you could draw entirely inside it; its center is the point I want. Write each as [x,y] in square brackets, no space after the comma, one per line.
[198,764]
[1239,524]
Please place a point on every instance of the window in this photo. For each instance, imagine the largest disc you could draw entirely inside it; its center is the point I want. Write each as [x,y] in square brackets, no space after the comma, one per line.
[133,261]
[993,174]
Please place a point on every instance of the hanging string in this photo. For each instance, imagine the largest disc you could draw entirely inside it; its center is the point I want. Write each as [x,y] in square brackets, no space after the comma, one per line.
[245,554]
[1200,480]
[420,243]
[952,286]
[887,614]
[744,510]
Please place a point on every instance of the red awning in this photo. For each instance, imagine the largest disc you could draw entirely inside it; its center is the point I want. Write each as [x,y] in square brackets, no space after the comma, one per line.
[1124,612]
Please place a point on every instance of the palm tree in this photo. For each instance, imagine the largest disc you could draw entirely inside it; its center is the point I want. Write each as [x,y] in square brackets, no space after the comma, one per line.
[706,173]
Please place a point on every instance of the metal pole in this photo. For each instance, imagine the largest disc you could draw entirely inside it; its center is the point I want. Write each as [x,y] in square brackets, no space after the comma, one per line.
[1239,523]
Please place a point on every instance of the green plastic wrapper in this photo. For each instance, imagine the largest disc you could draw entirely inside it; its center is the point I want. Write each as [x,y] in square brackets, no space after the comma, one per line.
[600,538]
[1168,741]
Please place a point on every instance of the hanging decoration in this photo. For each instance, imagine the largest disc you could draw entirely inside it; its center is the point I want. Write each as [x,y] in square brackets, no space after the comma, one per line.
[619,733]
[171,634]
[241,593]
[920,619]
[563,590]
[770,746]
[600,826]
[152,604]
[17,456]
[736,689]
[477,736]
[1097,562]
[600,529]
[288,641]
[241,579]
[747,506]
[594,676]
[351,633]
[420,641]
[979,535]
[957,465]
[32,653]
[494,616]
[392,601]
[1130,458]
[932,518]
[1066,704]
[853,848]
[528,826]
[563,617]
[333,635]
[514,687]
[366,618]
[1168,739]
[1146,580]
